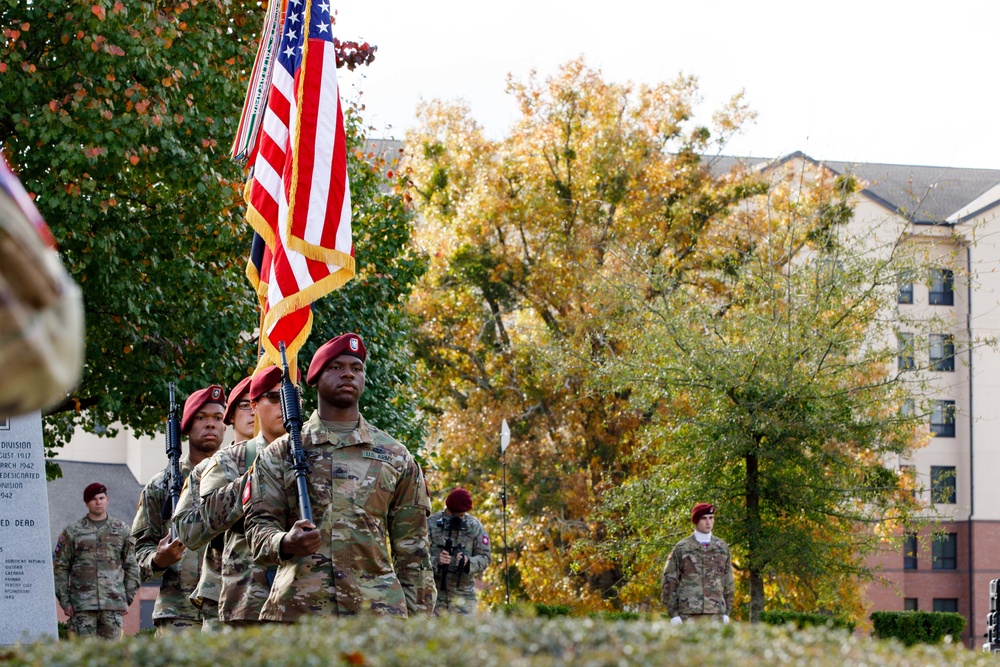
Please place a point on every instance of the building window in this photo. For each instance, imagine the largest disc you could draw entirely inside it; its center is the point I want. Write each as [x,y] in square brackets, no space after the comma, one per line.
[910,604]
[943,419]
[946,604]
[943,485]
[905,293]
[945,552]
[905,360]
[942,288]
[942,352]
[910,551]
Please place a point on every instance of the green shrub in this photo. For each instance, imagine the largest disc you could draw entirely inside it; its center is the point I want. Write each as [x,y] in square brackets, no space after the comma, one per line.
[493,640]
[802,619]
[917,627]
[619,615]
[553,610]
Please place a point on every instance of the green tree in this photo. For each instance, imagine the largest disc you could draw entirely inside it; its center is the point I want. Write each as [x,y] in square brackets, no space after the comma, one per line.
[775,394]
[118,116]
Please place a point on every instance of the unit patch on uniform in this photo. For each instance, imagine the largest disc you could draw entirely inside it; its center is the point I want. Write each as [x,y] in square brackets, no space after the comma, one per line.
[378,456]
[59,544]
[486,540]
[246,489]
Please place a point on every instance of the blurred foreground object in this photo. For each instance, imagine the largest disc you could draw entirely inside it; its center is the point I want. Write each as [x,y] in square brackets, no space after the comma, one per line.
[41,309]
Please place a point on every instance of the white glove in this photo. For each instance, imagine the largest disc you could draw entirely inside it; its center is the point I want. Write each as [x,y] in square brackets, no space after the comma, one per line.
[676,620]
[725,619]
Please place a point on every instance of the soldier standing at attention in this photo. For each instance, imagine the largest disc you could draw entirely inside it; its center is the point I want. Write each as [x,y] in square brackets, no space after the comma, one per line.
[95,569]
[158,554]
[244,585]
[364,487]
[189,524]
[460,549]
[698,578]
[239,413]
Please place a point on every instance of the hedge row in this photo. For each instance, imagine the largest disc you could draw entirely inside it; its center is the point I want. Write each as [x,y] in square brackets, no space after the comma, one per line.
[495,640]
[918,627]
[801,619]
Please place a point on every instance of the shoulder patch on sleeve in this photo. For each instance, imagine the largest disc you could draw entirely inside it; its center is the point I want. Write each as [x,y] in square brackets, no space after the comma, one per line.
[59,543]
[246,488]
[486,540]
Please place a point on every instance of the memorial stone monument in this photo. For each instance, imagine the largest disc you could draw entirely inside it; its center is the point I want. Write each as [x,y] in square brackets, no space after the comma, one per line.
[27,589]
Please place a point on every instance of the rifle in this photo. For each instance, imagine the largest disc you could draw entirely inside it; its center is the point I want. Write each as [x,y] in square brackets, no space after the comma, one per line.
[456,550]
[291,415]
[174,481]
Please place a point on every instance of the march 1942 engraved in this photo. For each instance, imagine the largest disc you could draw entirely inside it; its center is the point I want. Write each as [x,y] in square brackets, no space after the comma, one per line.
[27,590]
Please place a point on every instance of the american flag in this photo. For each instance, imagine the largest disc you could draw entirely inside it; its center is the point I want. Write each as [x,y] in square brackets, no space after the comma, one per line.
[298,197]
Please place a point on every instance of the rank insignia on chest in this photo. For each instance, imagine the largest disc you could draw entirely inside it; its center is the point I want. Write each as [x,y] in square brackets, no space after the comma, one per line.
[378,456]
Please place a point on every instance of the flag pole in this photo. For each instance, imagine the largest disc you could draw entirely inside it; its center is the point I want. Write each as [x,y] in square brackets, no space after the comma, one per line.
[504,441]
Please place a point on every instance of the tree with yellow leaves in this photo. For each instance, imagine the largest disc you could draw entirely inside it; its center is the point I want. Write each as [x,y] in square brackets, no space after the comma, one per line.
[519,231]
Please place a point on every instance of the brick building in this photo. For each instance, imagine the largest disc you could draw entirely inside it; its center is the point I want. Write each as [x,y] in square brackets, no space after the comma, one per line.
[951,215]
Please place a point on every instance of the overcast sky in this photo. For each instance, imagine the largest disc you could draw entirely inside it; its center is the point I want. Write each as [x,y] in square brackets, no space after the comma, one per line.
[877,81]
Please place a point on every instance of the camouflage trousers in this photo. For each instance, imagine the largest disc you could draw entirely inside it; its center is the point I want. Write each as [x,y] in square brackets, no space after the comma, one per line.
[210,616]
[170,626]
[229,626]
[96,623]
[702,618]
[452,603]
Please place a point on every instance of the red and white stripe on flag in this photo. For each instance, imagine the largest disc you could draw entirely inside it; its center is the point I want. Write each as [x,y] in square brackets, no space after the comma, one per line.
[298,196]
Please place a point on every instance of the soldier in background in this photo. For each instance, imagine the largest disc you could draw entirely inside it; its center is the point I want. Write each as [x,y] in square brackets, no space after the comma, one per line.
[95,570]
[159,555]
[460,549]
[243,585]
[698,577]
[364,487]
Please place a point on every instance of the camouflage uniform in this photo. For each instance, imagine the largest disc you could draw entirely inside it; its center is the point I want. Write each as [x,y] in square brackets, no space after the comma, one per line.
[457,592]
[245,585]
[364,487]
[188,520]
[96,574]
[698,580]
[173,609]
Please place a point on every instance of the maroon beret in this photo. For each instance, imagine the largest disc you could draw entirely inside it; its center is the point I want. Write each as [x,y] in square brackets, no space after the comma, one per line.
[458,500]
[234,399]
[92,490]
[348,343]
[264,380]
[700,510]
[210,394]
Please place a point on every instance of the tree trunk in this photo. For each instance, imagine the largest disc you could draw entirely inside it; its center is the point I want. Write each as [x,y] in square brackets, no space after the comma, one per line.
[753,530]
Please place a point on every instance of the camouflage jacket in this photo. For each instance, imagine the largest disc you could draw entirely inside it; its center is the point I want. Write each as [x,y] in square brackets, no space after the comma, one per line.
[475,543]
[244,583]
[149,527]
[189,522]
[697,579]
[95,566]
[364,487]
